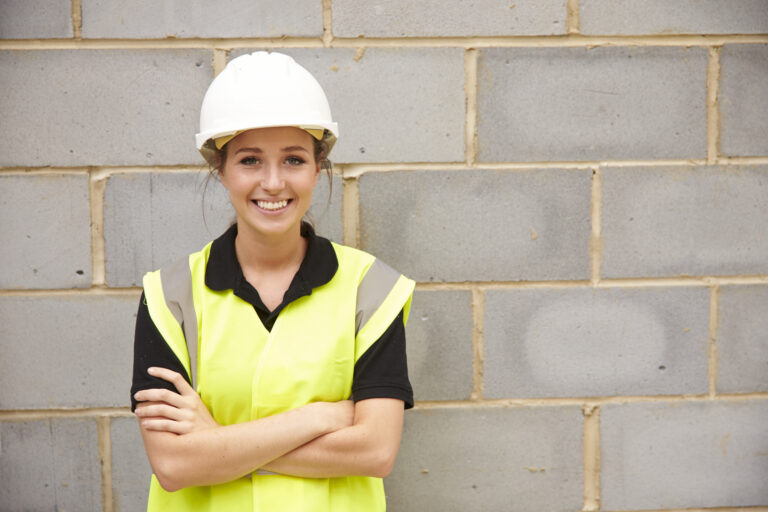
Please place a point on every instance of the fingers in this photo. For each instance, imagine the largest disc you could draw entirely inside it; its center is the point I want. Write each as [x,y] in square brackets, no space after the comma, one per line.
[164,425]
[163,417]
[159,409]
[159,395]
[174,378]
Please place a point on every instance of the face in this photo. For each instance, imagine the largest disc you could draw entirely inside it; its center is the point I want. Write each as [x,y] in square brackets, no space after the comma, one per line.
[270,174]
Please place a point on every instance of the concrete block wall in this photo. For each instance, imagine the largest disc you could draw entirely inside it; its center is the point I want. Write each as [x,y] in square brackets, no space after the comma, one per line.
[578,186]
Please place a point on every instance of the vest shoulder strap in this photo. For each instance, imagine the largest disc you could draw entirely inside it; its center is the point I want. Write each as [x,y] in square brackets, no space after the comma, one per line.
[381,295]
[171,305]
[177,290]
[373,290]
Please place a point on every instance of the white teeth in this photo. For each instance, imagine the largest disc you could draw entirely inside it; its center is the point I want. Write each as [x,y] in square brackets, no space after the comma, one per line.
[267,205]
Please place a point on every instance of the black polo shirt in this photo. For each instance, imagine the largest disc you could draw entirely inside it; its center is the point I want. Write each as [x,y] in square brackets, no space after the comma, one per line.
[381,372]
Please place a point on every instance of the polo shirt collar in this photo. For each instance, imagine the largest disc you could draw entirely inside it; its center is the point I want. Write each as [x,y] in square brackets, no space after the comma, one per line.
[223,271]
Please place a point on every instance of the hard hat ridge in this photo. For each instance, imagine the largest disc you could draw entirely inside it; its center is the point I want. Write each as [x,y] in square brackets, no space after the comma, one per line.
[261,90]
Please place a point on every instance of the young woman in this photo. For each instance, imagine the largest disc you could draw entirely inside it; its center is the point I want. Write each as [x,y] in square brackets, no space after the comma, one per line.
[269,369]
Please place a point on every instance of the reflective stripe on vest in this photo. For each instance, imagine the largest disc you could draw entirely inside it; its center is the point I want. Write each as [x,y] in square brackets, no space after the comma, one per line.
[176,280]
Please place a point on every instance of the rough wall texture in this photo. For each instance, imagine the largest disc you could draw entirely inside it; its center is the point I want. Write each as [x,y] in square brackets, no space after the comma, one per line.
[580,188]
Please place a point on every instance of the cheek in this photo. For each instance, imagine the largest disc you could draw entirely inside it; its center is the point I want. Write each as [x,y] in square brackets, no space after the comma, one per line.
[226,183]
[234,182]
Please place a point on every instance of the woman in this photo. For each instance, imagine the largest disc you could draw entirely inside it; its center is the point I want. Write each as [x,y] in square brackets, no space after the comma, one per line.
[269,368]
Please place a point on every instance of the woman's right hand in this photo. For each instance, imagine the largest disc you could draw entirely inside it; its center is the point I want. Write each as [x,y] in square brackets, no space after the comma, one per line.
[163,410]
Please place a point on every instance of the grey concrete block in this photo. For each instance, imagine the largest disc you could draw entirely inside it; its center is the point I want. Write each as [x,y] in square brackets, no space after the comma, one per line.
[742,353]
[671,221]
[66,351]
[477,459]
[743,98]
[50,464]
[573,342]
[684,455]
[439,345]
[153,219]
[392,104]
[101,107]
[197,18]
[35,19]
[478,225]
[131,472]
[433,18]
[662,17]
[544,104]
[46,231]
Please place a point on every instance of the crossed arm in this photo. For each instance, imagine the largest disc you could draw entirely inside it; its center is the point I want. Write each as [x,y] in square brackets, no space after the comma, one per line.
[187,447]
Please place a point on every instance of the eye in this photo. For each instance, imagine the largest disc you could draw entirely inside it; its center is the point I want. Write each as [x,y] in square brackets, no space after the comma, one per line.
[295,160]
[249,160]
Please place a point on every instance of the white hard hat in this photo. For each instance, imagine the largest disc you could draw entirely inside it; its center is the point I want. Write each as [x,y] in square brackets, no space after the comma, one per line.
[262,90]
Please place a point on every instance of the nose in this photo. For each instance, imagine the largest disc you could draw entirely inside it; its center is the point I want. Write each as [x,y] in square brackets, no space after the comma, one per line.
[273,178]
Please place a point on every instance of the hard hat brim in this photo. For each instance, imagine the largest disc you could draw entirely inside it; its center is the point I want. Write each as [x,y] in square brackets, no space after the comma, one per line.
[210,150]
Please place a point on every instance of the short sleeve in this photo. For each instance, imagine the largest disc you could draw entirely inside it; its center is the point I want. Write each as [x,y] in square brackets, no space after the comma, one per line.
[382,371]
[150,349]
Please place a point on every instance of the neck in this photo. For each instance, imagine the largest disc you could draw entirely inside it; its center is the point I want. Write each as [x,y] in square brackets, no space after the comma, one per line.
[267,254]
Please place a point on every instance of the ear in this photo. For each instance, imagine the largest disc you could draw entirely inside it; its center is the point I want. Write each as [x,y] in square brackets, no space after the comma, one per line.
[219,163]
[222,176]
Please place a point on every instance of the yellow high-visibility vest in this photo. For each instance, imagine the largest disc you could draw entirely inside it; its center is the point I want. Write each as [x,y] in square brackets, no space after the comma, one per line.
[243,372]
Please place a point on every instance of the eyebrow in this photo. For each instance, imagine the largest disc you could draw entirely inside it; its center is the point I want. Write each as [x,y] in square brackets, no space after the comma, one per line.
[284,150]
[296,148]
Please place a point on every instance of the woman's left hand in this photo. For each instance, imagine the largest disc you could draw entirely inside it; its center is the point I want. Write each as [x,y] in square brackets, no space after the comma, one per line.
[166,411]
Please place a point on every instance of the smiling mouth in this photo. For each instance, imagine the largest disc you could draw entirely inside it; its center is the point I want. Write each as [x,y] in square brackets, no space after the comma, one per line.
[272,205]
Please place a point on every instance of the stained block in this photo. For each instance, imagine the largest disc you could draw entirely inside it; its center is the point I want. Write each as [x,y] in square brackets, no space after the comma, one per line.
[574,342]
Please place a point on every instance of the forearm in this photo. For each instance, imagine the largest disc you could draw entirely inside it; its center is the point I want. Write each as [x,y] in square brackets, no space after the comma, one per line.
[342,453]
[222,454]
[368,447]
